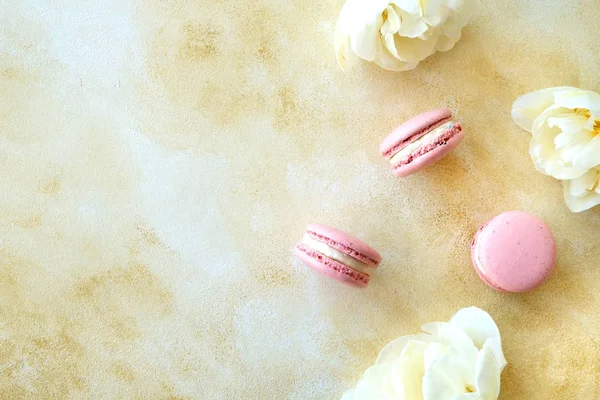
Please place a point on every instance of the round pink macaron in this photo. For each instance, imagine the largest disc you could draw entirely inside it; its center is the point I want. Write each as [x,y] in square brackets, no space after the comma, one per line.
[430,144]
[514,252]
[337,255]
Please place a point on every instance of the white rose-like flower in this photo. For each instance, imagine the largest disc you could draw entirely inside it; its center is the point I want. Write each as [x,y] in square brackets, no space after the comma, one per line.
[457,360]
[565,144]
[397,34]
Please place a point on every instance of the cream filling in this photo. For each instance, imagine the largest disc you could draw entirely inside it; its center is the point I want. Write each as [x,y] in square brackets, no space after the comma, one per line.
[335,254]
[424,140]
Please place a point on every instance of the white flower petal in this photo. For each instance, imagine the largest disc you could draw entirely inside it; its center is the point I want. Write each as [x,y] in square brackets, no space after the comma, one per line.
[467,396]
[443,380]
[375,383]
[356,19]
[390,46]
[445,43]
[586,183]
[589,156]
[364,42]
[361,21]
[463,12]
[450,335]
[583,193]
[393,64]
[430,6]
[387,57]
[346,58]
[387,33]
[568,123]
[571,154]
[434,352]
[578,98]
[464,6]
[546,158]
[437,20]
[390,59]
[408,370]
[589,125]
[579,204]
[460,346]
[413,50]
[489,365]
[357,13]
[412,25]
[477,324]
[548,161]
[410,6]
[540,124]
[392,23]
[434,12]
[529,106]
[455,5]
[565,140]
[394,349]
[348,395]
[452,29]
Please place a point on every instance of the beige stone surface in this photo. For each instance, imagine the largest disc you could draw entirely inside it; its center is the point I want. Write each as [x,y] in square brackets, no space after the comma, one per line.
[160,158]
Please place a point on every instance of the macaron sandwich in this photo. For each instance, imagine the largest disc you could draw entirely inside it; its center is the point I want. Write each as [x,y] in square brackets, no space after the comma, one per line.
[421,141]
[337,255]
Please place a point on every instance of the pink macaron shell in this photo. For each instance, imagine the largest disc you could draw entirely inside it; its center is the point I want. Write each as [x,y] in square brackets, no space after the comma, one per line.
[421,123]
[345,243]
[423,161]
[483,277]
[331,268]
[514,252]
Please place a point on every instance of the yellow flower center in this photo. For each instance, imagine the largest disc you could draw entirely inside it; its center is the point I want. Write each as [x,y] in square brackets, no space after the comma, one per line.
[583,111]
[587,114]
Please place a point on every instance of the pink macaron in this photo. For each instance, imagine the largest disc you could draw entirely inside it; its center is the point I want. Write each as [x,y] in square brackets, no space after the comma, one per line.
[514,252]
[421,141]
[337,255]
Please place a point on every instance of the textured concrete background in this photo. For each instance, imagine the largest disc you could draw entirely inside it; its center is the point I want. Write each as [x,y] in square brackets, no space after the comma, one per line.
[160,158]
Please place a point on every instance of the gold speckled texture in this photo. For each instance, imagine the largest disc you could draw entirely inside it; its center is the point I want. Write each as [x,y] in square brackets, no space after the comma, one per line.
[160,158]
